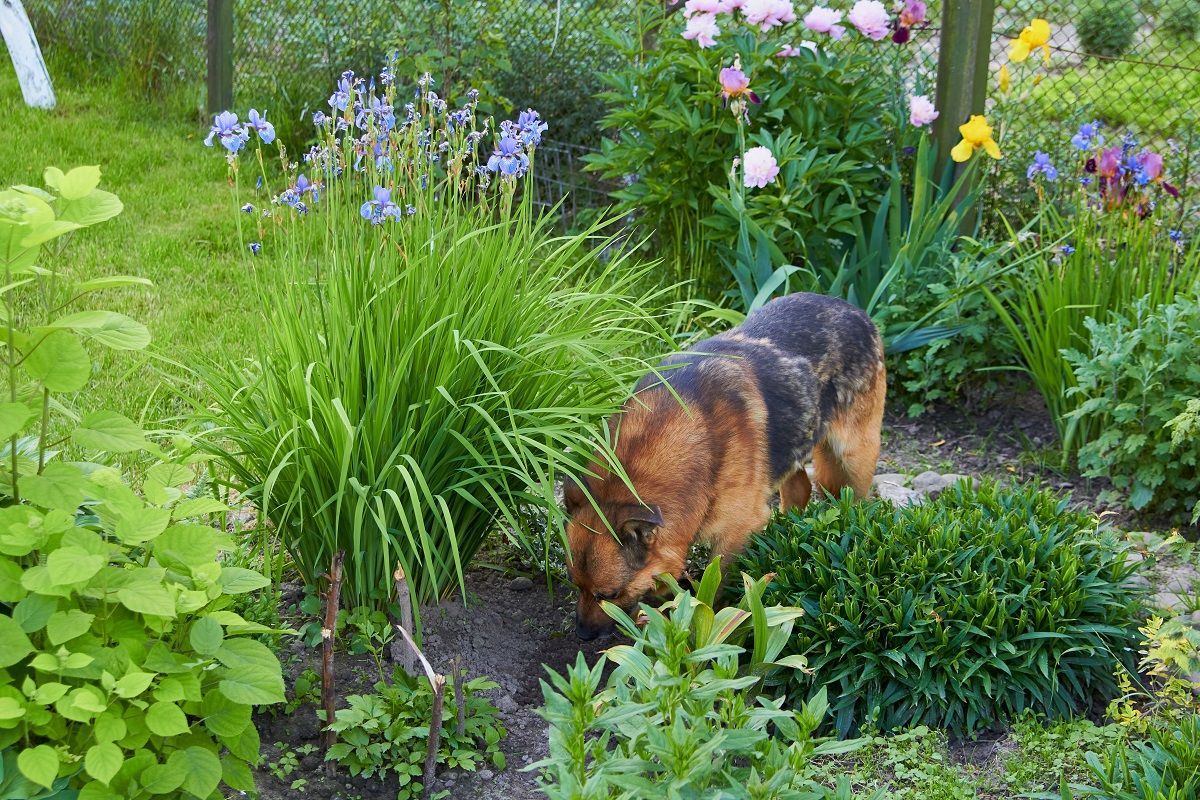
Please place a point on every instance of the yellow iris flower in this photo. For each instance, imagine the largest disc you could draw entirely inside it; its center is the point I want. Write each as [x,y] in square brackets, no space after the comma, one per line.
[1005,79]
[976,134]
[1036,36]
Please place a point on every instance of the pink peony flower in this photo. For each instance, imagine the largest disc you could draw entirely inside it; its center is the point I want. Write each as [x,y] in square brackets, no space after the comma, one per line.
[760,167]
[692,7]
[768,14]
[791,51]
[703,28]
[920,111]
[825,20]
[871,19]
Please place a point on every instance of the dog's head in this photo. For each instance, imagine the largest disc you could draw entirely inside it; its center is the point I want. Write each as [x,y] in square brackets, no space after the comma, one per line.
[615,555]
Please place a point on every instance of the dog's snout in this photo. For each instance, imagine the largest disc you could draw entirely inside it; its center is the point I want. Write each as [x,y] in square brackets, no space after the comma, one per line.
[587,631]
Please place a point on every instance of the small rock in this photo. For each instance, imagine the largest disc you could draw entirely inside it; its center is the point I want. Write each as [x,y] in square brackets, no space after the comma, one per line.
[520,584]
[932,484]
[1168,601]
[900,495]
[1140,581]
[486,774]
[1195,617]
[897,478]
[506,703]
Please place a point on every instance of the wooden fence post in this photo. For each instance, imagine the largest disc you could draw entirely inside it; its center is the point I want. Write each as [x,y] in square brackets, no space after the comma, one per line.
[963,60]
[220,55]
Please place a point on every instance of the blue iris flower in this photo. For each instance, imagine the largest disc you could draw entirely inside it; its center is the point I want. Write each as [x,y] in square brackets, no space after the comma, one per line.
[341,98]
[508,160]
[255,248]
[319,118]
[530,124]
[225,127]
[1176,236]
[258,124]
[1088,135]
[248,208]
[1067,250]
[380,208]
[1041,166]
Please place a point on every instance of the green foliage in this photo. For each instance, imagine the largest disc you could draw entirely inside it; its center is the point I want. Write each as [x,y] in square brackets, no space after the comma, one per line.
[1107,27]
[912,765]
[389,730]
[1046,301]
[123,672]
[1165,767]
[674,144]
[957,613]
[1185,433]
[435,375]
[1136,381]
[1180,19]
[1048,752]
[679,716]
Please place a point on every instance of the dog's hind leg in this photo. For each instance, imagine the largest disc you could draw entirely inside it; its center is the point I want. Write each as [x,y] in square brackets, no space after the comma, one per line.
[795,491]
[850,451]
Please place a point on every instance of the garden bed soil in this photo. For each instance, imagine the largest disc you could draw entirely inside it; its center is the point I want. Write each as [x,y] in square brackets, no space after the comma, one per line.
[511,624]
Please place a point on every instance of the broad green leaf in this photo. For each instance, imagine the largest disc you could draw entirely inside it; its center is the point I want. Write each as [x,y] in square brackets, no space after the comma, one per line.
[103,761]
[14,417]
[14,644]
[236,774]
[166,719]
[63,626]
[11,708]
[73,185]
[82,704]
[253,685]
[60,486]
[238,580]
[11,589]
[198,507]
[73,565]
[133,684]
[169,474]
[147,595]
[201,769]
[108,328]
[109,727]
[142,525]
[161,779]
[187,546]
[35,610]
[96,207]
[206,636]
[59,362]
[222,716]
[39,764]
[110,432]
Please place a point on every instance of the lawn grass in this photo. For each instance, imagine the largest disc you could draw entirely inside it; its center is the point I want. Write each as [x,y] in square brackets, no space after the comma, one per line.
[177,229]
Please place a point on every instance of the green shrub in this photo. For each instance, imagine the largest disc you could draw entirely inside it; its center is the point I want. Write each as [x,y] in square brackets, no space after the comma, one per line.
[674,142]
[1180,19]
[678,716]
[1135,379]
[388,731]
[438,370]
[1108,27]
[1165,767]
[958,613]
[123,673]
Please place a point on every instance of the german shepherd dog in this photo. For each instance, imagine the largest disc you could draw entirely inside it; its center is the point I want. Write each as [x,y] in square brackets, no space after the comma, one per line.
[801,377]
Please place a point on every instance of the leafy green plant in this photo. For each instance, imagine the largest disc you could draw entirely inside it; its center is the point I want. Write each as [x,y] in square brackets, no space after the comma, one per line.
[1185,433]
[306,690]
[1165,767]
[1077,266]
[674,143]
[438,370]
[388,730]
[1048,752]
[1136,380]
[957,613]
[123,673]
[1107,27]
[370,633]
[910,765]
[1180,19]
[679,714]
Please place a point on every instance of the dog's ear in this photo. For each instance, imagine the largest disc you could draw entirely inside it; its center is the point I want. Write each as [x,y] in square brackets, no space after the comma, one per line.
[638,523]
[573,496]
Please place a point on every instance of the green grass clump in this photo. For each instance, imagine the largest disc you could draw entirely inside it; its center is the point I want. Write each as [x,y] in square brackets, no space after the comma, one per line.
[959,613]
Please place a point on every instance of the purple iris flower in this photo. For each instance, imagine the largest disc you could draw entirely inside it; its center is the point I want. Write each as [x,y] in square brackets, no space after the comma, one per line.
[1067,250]
[380,208]
[410,210]
[508,160]
[255,248]
[225,127]
[385,76]
[341,98]
[248,208]
[319,118]
[1041,166]
[1175,236]
[258,123]
[1088,135]
[530,124]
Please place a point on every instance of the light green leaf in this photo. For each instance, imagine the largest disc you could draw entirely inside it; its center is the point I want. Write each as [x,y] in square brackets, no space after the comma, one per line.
[11,589]
[35,610]
[96,207]
[79,182]
[108,328]
[188,546]
[142,525]
[133,684]
[166,719]
[161,779]
[110,432]
[59,362]
[14,417]
[238,580]
[39,764]
[63,626]
[222,716]
[171,474]
[206,636]
[60,486]
[253,685]
[103,761]
[201,769]
[73,565]
[146,594]
[11,708]
[14,644]
[198,507]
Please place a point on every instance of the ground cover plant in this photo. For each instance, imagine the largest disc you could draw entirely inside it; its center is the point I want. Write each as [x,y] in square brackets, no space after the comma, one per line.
[124,674]
[959,613]
[447,356]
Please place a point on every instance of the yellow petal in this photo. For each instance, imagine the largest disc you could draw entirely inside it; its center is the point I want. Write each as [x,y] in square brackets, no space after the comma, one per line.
[992,149]
[1037,79]
[1045,55]
[962,151]
[1018,51]
[1039,32]
[1005,79]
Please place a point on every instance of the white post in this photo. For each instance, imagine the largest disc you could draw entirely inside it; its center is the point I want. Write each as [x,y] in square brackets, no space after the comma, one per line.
[26,55]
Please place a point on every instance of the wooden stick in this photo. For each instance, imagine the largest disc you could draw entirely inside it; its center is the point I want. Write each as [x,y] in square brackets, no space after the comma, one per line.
[460,707]
[408,662]
[329,737]
[438,684]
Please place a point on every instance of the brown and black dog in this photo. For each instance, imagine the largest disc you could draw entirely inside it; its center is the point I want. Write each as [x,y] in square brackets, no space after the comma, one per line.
[801,377]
